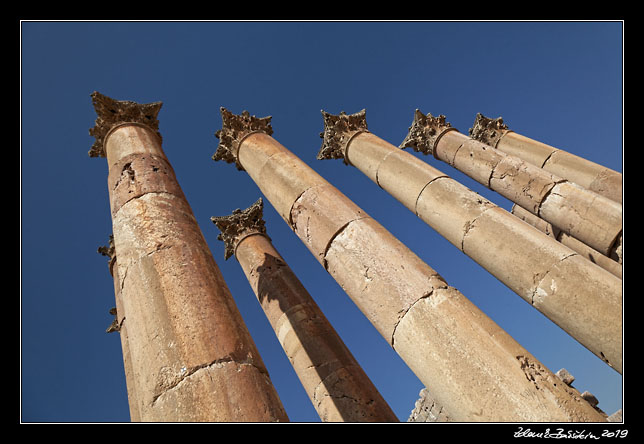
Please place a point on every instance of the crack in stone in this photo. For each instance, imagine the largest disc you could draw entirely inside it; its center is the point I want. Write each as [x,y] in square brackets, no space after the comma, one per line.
[470,224]
[539,278]
[187,372]
[403,313]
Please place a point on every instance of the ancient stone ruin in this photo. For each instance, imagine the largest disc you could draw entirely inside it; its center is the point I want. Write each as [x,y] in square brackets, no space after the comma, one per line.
[188,356]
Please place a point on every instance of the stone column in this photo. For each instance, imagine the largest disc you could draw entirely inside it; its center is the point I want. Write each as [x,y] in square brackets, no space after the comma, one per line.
[118,325]
[584,300]
[592,255]
[593,219]
[583,172]
[192,357]
[471,366]
[338,387]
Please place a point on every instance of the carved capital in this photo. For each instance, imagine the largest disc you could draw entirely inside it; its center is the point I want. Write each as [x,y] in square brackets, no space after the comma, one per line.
[239,225]
[233,131]
[489,131]
[338,131]
[112,112]
[425,131]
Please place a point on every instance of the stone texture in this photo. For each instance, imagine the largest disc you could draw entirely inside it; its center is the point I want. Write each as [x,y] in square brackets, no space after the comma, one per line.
[576,245]
[336,384]
[583,172]
[192,358]
[119,325]
[518,255]
[593,219]
[472,367]
[427,409]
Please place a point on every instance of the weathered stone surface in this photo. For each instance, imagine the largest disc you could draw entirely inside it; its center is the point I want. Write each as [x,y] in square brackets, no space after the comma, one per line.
[190,354]
[319,214]
[514,252]
[336,384]
[565,376]
[474,368]
[427,409]
[576,169]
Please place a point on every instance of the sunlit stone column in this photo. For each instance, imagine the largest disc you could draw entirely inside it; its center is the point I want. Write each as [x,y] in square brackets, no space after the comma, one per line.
[592,255]
[584,300]
[585,215]
[470,365]
[119,325]
[583,172]
[191,355]
[337,385]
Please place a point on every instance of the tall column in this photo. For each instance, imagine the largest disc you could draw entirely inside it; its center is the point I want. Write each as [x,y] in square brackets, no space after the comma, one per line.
[119,325]
[593,219]
[592,255]
[472,367]
[338,387]
[192,357]
[583,172]
[584,300]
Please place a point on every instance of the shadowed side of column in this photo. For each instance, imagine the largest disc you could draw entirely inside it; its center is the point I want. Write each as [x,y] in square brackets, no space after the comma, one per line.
[337,385]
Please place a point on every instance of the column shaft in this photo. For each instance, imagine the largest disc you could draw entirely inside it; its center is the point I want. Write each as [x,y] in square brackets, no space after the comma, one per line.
[191,354]
[593,219]
[337,385]
[592,255]
[581,298]
[583,172]
[472,367]
[119,325]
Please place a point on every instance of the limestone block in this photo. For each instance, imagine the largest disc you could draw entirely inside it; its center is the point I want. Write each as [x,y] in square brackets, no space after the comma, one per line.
[487,158]
[405,176]
[589,217]
[532,151]
[318,215]
[368,151]
[521,182]
[283,178]
[172,292]
[476,370]
[131,138]
[380,274]
[135,175]
[249,399]
[449,208]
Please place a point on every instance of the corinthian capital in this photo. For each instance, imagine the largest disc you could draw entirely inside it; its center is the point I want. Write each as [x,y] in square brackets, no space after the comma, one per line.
[338,131]
[234,129]
[425,131]
[489,131]
[111,112]
[239,225]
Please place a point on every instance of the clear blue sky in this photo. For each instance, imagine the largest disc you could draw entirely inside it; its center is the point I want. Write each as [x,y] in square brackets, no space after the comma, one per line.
[558,82]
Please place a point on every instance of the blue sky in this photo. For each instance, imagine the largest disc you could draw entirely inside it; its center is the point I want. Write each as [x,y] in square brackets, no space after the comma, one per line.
[558,82]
